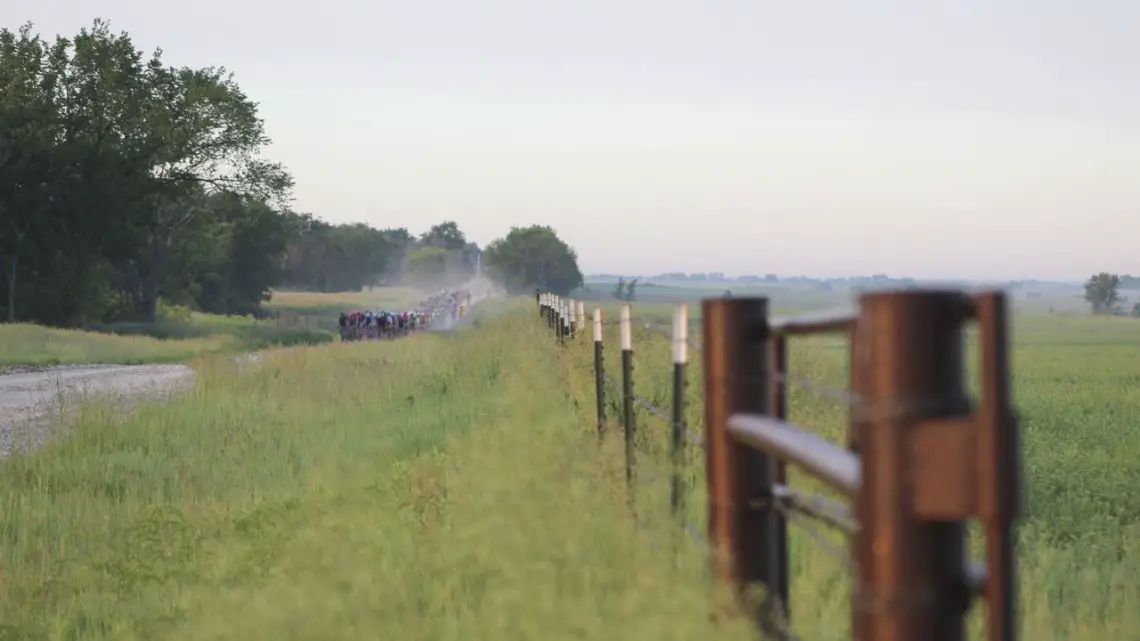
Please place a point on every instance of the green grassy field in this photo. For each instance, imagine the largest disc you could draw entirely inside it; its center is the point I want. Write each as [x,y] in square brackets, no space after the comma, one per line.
[315,309]
[452,486]
[300,318]
[166,341]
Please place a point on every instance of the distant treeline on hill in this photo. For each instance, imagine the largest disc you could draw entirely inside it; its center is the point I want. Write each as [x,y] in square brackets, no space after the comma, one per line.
[126,181]
[874,280]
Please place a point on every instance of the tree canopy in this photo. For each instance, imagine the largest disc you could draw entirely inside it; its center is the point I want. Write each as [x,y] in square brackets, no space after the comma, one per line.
[530,257]
[1102,292]
[126,180]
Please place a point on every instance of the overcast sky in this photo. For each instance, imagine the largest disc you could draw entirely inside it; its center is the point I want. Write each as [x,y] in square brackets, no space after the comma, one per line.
[974,138]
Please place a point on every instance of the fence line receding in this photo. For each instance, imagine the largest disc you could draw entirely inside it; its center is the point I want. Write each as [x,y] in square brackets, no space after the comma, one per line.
[921,460]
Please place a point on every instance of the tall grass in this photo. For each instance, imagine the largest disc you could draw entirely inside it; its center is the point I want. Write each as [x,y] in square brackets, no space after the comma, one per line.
[453,486]
[166,341]
[443,486]
[36,345]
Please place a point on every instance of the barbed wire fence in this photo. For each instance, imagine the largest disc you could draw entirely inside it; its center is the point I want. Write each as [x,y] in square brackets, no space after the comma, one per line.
[920,460]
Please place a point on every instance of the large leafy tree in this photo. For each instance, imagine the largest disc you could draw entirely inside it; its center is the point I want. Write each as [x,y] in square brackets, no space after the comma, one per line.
[126,180]
[110,161]
[530,257]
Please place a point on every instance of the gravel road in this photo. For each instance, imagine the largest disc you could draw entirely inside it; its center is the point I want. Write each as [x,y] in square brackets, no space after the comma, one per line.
[32,398]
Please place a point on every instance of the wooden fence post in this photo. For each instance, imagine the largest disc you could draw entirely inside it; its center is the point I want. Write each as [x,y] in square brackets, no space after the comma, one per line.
[628,415]
[599,373]
[910,581]
[747,550]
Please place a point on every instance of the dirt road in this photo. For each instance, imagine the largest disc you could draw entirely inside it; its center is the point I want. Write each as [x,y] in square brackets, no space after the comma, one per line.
[31,400]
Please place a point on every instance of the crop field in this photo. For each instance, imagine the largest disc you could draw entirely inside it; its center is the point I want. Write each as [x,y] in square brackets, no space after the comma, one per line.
[452,486]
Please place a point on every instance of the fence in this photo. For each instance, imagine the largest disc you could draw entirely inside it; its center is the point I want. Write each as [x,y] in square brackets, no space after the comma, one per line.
[921,459]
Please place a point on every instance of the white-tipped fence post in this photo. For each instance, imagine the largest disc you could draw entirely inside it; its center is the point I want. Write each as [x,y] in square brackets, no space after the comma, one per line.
[627,394]
[582,316]
[572,316]
[599,373]
[680,360]
[561,320]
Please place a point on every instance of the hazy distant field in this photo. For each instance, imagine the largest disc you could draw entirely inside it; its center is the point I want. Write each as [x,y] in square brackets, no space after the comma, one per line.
[1042,298]
[451,486]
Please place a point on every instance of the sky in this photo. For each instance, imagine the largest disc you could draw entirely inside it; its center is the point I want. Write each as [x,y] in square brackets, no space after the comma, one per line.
[967,139]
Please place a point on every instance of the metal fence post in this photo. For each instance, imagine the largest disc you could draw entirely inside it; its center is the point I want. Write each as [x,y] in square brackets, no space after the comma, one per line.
[571,321]
[775,521]
[746,549]
[628,417]
[599,373]
[680,359]
[999,468]
[561,322]
[911,570]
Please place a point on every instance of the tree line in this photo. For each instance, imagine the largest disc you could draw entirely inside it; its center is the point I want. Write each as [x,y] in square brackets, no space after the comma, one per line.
[126,180]
[1102,293]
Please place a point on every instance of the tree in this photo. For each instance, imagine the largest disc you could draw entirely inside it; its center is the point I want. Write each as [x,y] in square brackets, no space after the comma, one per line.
[529,257]
[445,235]
[1102,291]
[619,289]
[111,160]
[626,290]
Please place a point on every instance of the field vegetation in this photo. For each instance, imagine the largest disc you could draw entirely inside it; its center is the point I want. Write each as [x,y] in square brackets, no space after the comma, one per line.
[452,485]
[1075,389]
[178,335]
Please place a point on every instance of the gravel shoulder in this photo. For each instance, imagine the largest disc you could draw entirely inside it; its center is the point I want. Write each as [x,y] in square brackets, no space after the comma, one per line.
[32,398]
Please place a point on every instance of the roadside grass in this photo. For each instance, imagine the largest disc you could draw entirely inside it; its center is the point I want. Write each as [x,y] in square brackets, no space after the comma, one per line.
[166,341]
[33,345]
[453,486]
[443,486]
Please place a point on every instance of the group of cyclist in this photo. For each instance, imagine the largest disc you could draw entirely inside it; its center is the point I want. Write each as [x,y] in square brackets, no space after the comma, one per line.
[440,310]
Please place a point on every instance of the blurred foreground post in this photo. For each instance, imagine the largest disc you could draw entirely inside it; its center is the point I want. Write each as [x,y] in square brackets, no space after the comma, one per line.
[910,545]
[746,550]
